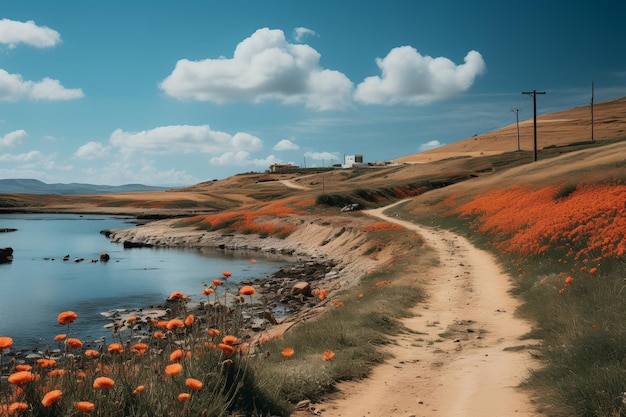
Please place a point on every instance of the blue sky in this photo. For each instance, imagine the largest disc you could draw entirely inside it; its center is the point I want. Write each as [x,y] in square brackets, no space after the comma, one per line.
[178,92]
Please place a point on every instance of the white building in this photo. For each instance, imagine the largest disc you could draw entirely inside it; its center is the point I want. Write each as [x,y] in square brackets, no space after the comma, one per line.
[350,161]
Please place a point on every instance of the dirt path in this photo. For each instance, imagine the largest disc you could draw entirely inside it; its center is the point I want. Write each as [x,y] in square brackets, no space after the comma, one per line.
[454,363]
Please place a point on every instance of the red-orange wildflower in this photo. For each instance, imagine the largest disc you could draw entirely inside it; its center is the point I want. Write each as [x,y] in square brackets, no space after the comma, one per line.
[131,319]
[141,348]
[5,342]
[193,383]
[569,280]
[51,397]
[23,367]
[84,406]
[217,282]
[17,407]
[207,291]
[92,353]
[175,323]
[328,355]
[213,332]
[158,335]
[227,349]
[46,363]
[176,355]
[593,271]
[246,290]
[74,343]
[116,348]
[229,340]
[103,382]
[56,372]
[288,352]
[184,396]
[139,389]
[322,295]
[177,295]
[81,375]
[162,324]
[189,320]
[21,377]
[67,317]
[59,337]
[173,369]
[226,274]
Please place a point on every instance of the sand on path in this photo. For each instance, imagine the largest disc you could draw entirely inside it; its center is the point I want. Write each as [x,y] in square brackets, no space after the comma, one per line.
[455,361]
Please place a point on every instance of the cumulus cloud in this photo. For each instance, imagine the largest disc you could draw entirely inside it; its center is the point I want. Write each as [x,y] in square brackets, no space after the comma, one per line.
[91,150]
[322,156]
[184,139]
[263,67]
[31,156]
[410,78]
[13,33]
[286,145]
[242,159]
[14,88]
[429,145]
[300,33]
[13,138]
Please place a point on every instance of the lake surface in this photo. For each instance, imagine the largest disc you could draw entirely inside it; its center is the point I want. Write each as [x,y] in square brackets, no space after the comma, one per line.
[38,285]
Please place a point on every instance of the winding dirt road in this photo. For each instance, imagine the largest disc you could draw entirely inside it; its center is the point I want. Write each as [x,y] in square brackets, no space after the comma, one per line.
[454,363]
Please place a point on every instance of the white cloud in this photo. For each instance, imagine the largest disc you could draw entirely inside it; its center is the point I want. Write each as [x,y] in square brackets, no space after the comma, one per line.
[286,145]
[410,78]
[264,67]
[184,139]
[300,33]
[14,88]
[13,138]
[91,150]
[322,156]
[28,157]
[13,33]
[429,145]
[242,159]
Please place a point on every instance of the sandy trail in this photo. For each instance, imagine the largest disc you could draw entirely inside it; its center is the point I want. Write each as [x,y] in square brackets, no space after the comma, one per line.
[454,364]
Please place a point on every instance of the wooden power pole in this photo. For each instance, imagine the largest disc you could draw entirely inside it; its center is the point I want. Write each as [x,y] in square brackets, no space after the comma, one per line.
[534,94]
[592,111]
[516,111]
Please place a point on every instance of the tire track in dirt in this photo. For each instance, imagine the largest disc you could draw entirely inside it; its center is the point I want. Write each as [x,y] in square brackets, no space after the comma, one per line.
[454,362]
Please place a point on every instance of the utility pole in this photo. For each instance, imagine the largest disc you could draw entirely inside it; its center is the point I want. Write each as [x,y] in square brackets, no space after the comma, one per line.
[516,111]
[534,94]
[592,111]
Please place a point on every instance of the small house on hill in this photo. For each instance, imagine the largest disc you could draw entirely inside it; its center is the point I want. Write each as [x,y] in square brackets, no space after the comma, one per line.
[350,161]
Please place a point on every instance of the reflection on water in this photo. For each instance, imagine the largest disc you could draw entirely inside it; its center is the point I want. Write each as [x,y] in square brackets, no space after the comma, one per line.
[38,285]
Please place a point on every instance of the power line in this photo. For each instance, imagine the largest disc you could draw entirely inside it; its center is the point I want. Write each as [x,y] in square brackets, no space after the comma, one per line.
[534,94]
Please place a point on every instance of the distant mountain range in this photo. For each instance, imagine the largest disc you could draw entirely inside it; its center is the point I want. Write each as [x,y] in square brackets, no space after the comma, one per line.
[30,186]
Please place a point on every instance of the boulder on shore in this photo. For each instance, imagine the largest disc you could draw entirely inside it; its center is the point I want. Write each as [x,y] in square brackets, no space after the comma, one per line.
[6,255]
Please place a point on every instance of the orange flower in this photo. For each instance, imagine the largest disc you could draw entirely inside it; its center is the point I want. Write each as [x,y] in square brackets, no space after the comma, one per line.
[61,336]
[56,372]
[92,353]
[593,271]
[229,340]
[17,407]
[51,397]
[74,343]
[288,352]
[23,367]
[67,317]
[328,355]
[81,375]
[5,342]
[46,363]
[174,323]
[189,320]
[226,274]
[84,406]
[207,291]
[131,319]
[173,369]
[162,324]
[139,389]
[227,349]
[217,282]
[103,382]
[184,396]
[569,280]
[213,332]
[193,383]
[322,295]
[116,348]
[246,290]
[177,295]
[140,348]
[158,335]
[21,377]
[177,355]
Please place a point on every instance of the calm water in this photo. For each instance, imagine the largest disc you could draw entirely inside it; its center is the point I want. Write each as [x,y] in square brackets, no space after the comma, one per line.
[38,285]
